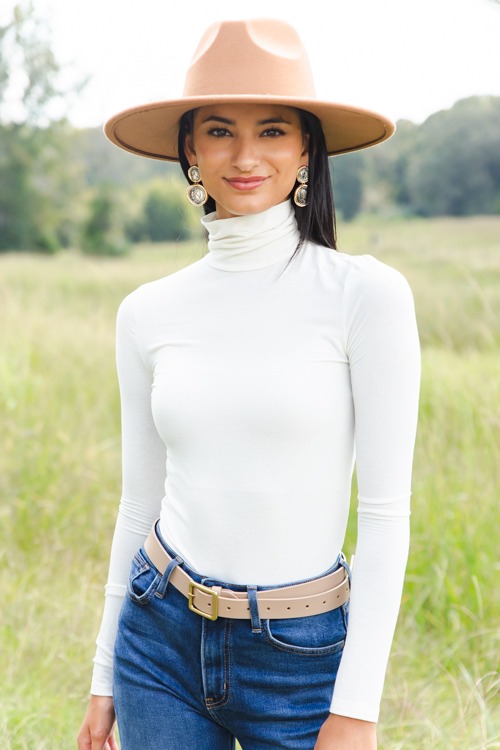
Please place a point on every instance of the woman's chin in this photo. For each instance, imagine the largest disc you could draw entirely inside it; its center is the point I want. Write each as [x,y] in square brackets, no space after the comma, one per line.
[245,206]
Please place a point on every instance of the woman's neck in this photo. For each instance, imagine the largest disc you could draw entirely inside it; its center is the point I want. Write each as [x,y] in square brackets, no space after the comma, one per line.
[252,242]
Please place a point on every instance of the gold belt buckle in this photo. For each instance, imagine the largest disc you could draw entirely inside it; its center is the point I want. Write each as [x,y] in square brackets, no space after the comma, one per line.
[206,590]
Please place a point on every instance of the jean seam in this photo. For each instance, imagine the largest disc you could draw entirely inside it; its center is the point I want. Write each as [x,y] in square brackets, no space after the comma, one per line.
[289,648]
[329,650]
[226,669]
[148,594]
[142,564]
[345,615]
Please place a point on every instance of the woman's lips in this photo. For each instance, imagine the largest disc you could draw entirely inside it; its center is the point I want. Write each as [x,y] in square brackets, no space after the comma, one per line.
[246,183]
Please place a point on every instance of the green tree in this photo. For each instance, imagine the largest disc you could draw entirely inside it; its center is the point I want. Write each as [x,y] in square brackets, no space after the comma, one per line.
[448,165]
[37,181]
[102,232]
[455,165]
[166,214]
[28,69]
[105,163]
[346,172]
[387,166]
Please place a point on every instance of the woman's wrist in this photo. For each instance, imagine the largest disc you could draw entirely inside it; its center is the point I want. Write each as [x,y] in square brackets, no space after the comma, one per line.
[351,721]
[346,732]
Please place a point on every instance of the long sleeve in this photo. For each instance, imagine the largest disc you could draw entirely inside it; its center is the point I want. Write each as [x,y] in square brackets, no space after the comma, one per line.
[143,469]
[384,359]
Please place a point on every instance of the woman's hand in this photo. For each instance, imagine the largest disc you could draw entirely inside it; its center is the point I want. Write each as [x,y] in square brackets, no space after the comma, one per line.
[97,730]
[344,733]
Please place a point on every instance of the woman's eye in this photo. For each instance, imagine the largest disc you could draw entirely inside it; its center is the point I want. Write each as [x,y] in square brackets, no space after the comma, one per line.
[273,132]
[218,132]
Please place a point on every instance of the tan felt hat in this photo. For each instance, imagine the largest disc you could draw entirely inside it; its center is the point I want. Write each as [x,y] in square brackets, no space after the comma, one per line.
[256,61]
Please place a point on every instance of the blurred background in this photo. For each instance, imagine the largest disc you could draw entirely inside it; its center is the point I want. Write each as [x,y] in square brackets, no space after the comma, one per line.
[65,67]
[83,223]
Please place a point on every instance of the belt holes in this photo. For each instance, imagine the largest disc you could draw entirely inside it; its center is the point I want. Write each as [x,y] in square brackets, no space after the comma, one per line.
[228,607]
[268,607]
[324,602]
[288,607]
[338,596]
[248,608]
[307,606]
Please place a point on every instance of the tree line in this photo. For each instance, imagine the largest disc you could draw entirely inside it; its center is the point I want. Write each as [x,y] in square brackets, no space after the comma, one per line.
[65,187]
[447,166]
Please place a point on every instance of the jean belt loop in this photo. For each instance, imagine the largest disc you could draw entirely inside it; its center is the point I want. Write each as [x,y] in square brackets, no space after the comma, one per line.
[345,565]
[254,609]
[162,588]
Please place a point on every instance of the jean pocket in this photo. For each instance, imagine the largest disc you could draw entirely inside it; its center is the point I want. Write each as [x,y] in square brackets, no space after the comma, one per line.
[143,579]
[318,635]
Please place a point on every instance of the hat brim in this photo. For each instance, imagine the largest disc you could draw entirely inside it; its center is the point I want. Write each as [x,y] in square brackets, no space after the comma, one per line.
[151,130]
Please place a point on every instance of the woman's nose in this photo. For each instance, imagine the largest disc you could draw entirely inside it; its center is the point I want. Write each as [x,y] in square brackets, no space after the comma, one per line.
[246,154]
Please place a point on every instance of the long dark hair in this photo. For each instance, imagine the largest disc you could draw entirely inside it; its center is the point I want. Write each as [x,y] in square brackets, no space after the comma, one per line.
[316,221]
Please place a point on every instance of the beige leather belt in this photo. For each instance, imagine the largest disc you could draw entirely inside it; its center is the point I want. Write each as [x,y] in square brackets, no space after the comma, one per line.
[300,600]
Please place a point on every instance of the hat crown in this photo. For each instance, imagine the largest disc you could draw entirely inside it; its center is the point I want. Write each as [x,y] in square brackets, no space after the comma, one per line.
[260,57]
[259,61]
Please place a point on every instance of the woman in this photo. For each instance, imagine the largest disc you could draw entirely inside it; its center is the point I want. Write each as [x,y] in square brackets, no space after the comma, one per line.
[249,381]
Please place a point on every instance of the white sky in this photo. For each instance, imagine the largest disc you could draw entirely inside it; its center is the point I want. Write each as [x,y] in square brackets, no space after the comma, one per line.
[404,59]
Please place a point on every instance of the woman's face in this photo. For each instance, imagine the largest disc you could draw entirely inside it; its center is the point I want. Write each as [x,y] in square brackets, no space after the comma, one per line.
[248,155]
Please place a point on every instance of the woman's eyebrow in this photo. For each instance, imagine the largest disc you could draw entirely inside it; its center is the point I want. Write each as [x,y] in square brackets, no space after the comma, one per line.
[215,118]
[227,121]
[272,120]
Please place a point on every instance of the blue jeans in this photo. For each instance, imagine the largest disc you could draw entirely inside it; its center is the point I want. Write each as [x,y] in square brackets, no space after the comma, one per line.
[183,682]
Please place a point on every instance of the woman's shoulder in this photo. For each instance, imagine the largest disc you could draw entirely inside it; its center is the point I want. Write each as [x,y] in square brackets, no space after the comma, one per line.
[160,291]
[364,274]
[367,272]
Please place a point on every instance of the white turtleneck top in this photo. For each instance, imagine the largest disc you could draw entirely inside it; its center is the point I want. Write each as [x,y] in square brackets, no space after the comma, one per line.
[248,387]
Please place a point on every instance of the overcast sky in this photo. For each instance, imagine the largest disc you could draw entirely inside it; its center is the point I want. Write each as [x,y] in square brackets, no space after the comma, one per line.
[404,59]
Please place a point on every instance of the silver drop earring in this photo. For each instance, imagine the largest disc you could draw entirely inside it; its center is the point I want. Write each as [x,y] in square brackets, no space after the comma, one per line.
[196,194]
[300,196]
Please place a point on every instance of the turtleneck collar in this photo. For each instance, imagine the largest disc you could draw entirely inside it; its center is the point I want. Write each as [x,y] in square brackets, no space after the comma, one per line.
[249,243]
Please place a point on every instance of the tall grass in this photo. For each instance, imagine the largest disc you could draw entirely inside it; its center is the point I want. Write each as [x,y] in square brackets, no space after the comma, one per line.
[60,474]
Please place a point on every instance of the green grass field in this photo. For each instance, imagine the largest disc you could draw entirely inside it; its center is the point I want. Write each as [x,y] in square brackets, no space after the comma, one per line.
[60,482]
